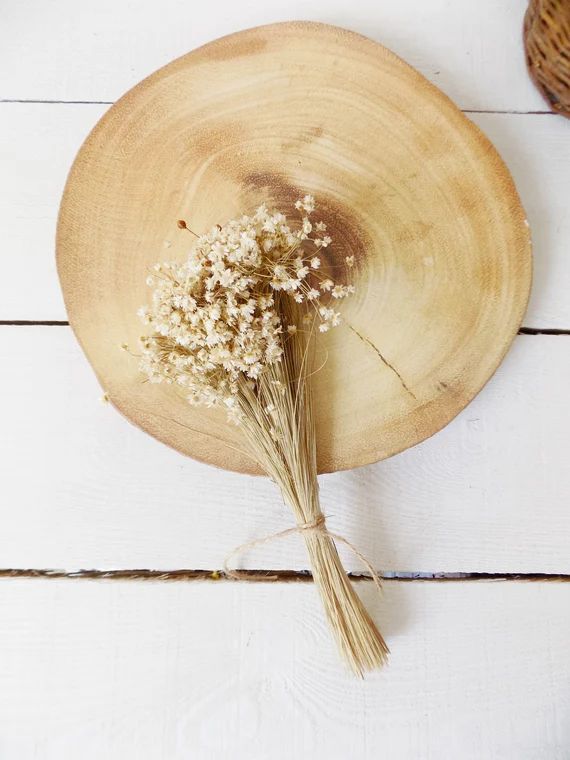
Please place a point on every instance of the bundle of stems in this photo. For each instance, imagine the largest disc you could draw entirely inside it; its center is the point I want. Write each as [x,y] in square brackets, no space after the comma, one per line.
[283,442]
[233,327]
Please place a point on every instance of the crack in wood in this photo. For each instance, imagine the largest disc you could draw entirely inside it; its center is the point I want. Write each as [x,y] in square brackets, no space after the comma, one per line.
[388,364]
[265,576]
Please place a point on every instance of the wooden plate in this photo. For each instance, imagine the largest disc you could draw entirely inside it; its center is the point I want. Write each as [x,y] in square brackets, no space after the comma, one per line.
[406,183]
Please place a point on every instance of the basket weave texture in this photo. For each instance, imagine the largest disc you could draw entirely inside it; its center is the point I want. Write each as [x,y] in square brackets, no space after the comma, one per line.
[547,45]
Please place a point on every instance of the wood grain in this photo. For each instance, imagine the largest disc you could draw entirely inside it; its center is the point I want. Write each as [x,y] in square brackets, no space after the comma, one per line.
[84,489]
[218,672]
[39,141]
[404,181]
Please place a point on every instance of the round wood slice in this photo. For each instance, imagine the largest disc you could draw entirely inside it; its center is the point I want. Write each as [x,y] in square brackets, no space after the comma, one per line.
[405,182]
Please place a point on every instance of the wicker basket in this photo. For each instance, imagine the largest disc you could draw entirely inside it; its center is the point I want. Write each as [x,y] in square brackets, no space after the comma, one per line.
[547,44]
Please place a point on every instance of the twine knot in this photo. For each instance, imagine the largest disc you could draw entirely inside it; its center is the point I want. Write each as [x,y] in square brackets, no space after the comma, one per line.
[317,525]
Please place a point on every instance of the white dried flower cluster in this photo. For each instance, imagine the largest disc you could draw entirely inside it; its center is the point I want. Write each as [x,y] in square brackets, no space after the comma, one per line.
[214,319]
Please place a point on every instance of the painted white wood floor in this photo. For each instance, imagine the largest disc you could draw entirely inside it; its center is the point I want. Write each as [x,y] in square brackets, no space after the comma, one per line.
[135,670]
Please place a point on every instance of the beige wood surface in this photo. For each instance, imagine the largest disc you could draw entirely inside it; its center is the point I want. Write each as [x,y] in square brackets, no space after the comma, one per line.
[405,182]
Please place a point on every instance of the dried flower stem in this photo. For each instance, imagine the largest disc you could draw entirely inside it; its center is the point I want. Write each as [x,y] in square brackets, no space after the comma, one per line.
[233,327]
[284,443]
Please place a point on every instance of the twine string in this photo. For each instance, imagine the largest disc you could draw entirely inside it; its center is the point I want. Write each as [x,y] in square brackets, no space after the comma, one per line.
[318,525]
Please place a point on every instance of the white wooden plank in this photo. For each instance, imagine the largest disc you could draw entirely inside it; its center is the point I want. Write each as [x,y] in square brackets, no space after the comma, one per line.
[226,671]
[537,151]
[38,143]
[37,146]
[97,49]
[82,488]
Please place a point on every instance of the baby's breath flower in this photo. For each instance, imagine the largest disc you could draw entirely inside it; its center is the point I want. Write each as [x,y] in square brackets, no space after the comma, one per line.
[349,261]
[215,319]
[342,291]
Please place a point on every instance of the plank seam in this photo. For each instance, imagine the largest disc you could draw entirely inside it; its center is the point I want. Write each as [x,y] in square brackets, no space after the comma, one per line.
[64,323]
[34,323]
[264,576]
[513,113]
[543,331]
[60,102]
[33,101]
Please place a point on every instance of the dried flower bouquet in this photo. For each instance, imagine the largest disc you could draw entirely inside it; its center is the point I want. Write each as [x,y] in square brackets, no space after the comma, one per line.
[234,327]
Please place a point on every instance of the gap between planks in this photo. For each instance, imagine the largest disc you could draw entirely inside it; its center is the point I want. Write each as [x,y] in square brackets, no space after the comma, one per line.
[268,576]
[64,323]
[112,102]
